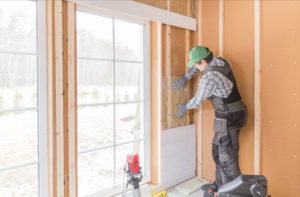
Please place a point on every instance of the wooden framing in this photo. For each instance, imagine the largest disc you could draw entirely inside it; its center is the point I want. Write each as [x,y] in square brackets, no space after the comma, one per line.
[65,94]
[61,66]
[51,101]
[72,100]
[168,71]
[257,122]
[198,114]
[60,107]
[187,49]
[59,99]
[155,36]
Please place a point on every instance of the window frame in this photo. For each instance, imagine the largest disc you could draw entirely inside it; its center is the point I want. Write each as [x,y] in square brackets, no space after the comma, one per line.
[42,98]
[146,74]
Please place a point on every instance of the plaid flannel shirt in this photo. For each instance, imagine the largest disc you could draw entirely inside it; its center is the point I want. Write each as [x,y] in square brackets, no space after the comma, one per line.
[211,83]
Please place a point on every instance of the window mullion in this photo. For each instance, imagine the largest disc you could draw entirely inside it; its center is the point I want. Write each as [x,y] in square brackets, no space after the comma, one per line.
[114,97]
[42,99]
[17,53]
[145,122]
[19,166]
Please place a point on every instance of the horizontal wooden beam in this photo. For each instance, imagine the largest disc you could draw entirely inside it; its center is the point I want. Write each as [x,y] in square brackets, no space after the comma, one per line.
[140,10]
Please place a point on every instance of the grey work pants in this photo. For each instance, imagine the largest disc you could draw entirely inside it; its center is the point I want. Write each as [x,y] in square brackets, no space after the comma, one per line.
[225,149]
[225,146]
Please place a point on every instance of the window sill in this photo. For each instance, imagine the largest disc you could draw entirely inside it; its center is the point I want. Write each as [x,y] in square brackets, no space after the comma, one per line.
[117,192]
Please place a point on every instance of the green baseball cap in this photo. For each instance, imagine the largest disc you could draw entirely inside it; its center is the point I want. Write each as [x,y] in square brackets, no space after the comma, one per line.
[196,54]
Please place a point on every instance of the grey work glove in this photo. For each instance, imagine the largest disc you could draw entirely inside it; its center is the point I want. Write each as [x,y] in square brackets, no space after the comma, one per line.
[179,83]
[181,111]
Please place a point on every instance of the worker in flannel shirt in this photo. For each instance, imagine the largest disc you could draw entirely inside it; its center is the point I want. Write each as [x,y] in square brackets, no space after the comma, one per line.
[218,85]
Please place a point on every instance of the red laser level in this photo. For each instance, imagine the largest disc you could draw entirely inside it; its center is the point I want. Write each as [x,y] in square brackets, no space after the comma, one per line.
[133,163]
[134,174]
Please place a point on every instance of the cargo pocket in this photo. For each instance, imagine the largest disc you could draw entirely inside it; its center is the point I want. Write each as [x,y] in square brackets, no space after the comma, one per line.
[226,150]
[245,116]
[220,125]
[226,143]
[237,119]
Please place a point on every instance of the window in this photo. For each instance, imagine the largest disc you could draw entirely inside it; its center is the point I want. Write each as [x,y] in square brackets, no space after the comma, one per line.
[112,95]
[23,144]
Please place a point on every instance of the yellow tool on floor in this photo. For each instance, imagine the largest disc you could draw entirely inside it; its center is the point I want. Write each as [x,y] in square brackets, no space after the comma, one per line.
[161,194]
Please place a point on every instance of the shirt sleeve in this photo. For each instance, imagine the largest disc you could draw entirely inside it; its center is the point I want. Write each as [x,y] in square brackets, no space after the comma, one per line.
[205,89]
[192,72]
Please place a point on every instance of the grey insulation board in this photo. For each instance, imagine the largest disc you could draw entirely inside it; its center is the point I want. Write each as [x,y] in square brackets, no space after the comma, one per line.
[178,155]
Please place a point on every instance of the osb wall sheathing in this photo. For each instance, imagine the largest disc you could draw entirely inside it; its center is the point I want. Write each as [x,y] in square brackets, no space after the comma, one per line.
[280,96]
[210,38]
[239,50]
[280,87]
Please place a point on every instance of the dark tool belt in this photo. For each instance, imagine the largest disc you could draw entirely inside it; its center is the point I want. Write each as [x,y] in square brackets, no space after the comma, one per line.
[233,115]
[231,107]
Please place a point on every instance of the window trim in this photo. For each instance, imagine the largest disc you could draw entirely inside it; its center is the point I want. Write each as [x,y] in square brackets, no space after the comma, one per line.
[146,100]
[42,99]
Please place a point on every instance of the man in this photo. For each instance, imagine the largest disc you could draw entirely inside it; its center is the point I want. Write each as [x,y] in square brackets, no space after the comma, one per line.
[218,86]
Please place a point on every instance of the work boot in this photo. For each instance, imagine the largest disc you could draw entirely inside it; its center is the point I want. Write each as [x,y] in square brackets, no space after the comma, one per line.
[214,187]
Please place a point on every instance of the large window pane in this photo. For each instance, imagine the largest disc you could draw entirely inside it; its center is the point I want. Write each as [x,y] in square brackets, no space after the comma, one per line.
[94,36]
[129,82]
[19,182]
[129,122]
[95,81]
[111,103]
[95,127]
[19,104]
[18,81]
[95,171]
[129,40]
[18,26]
[19,139]
[121,153]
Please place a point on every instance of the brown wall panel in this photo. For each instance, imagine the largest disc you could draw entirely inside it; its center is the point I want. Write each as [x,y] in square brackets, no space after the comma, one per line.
[239,50]
[280,96]
[210,38]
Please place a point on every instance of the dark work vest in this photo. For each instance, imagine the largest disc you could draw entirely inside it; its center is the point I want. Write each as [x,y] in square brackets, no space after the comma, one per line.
[218,102]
